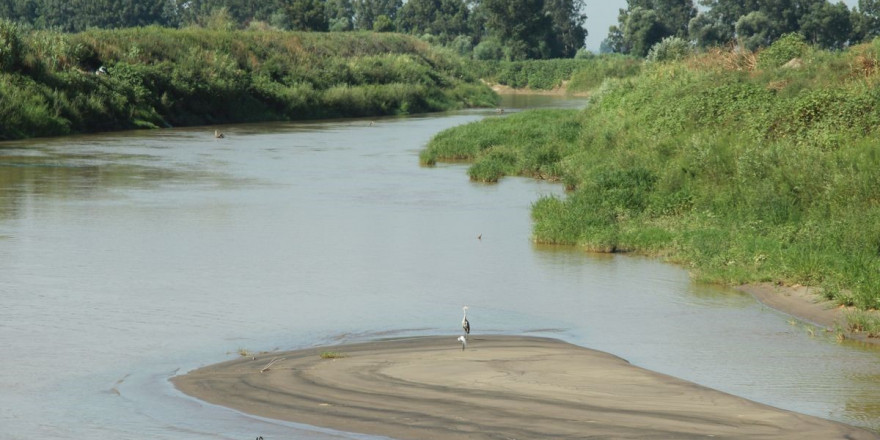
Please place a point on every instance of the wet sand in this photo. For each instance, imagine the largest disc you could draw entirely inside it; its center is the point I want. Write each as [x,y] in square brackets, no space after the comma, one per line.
[500,387]
[804,303]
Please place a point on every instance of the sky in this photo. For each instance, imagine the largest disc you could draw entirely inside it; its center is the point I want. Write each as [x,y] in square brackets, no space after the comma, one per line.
[602,14]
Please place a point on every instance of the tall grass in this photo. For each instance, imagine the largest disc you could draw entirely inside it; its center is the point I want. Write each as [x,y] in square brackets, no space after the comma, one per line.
[169,77]
[579,75]
[741,173]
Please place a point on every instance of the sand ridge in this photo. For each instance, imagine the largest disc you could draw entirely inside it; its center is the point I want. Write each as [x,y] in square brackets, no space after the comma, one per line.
[501,387]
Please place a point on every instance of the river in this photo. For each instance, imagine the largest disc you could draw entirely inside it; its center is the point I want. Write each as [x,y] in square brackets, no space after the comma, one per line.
[127,258]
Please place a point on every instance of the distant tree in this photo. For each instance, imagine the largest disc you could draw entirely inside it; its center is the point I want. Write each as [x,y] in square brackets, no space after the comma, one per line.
[763,21]
[383,24]
[866,20]
[643,29]
[22,11]
[706,31]
[307,15]
[675,15]
[489,49]
[755,30]
[568,32]
[645,22]
[340,15]
[614,42]
[367,11]
[445,19]
[520,25]
[830,26]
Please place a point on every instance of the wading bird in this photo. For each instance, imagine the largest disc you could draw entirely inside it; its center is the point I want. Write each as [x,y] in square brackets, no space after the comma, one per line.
[463,342]
[218,135]
[465,325]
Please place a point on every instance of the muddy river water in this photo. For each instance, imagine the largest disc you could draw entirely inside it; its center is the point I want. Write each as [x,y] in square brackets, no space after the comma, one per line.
[127,258]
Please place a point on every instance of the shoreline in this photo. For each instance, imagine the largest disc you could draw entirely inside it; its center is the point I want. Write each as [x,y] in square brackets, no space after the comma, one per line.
[499,387]
[562,90]
[803,304]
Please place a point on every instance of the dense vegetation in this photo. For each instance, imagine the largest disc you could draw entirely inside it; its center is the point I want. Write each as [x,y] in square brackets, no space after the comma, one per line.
[49,84]
[744,167]
[577,75]
[514,29]
[749,23]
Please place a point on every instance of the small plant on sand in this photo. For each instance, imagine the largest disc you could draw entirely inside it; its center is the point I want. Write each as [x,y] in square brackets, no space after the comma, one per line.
[864,322]
[331,355]
[243,352]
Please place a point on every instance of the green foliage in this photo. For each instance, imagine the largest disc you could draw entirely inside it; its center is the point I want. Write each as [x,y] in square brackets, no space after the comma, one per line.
[489,49]
[535,29]
[10,46]
[584,74]
[591,75]
[766,175]
[783,50]
[162,77]
[669,49]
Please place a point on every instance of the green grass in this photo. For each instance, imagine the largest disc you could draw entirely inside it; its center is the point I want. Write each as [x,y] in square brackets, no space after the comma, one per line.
[581,75]
[742,174]
[163,77]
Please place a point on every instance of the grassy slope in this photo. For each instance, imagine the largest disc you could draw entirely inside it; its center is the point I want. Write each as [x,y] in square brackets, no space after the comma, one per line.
[742,173]
[161,77]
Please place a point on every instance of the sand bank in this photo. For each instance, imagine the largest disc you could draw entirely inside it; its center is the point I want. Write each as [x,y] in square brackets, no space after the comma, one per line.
[804,303]
[500,387]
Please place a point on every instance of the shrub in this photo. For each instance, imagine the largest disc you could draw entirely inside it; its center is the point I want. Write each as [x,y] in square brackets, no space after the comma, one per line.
[669,49]
[489,49]
[783,50]
[10,46]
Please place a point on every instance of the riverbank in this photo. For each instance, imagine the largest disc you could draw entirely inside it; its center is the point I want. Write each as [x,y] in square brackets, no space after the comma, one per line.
[806,304]
[105,80]
[561,90]
[500,387]
[751,176]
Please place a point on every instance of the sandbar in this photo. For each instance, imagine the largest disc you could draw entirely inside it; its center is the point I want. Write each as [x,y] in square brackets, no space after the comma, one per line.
[500,387]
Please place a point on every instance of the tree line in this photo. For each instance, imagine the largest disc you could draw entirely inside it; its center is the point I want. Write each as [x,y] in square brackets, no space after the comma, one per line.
[750,23]
[487,29]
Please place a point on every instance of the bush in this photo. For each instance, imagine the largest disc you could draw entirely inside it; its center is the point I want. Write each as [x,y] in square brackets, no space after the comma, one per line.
[584,54]
[783,50]
[10,47]
[669,49]
[489,49]
[462,45]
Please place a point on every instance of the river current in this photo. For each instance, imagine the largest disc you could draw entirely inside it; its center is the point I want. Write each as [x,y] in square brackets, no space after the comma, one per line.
[128,258]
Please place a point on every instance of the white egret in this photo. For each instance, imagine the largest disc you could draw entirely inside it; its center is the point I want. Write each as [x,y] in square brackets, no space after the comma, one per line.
[463,342]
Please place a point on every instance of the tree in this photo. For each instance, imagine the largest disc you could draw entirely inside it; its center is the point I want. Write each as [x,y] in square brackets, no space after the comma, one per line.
[866,20]
[520,25]
[307,15]
[706,31]
[643,29]
[367,11]
[568,30]
[675,15]
[445,19]
[645,22]
[827,25]
[340,15]
[755,30]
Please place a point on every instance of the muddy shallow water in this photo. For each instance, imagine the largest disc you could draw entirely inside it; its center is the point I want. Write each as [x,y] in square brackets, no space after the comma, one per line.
[126,258]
